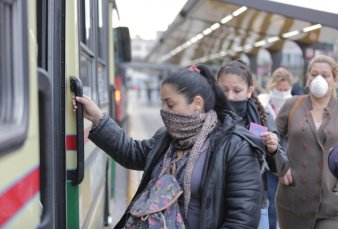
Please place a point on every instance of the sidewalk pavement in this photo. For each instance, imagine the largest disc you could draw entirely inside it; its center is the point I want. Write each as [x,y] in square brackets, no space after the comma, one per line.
[144,120]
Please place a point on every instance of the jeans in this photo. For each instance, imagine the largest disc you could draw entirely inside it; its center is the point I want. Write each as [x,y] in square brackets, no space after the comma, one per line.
[264,221]
[272,188]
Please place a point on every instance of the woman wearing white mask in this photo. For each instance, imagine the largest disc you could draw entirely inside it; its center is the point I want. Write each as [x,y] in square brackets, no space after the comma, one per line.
[308,194]
[279,86]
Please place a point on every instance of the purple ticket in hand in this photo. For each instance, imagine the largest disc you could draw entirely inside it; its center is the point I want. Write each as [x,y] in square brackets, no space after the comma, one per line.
[257,129]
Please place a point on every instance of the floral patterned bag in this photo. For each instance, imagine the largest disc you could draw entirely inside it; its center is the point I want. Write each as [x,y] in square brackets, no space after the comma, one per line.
[157,206]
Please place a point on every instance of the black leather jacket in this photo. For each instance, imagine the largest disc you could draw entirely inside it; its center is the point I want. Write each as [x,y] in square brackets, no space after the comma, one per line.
[277,163]
[231,181]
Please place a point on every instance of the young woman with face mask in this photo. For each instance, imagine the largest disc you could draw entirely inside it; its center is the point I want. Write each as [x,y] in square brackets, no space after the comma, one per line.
[279,87]
[237,83]
[215,161]
[308,194]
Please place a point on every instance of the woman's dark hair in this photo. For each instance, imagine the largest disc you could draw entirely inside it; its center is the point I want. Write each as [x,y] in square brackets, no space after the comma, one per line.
[239,68]
[199,80]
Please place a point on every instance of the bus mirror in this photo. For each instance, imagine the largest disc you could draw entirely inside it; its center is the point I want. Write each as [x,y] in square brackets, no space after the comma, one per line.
[122,44]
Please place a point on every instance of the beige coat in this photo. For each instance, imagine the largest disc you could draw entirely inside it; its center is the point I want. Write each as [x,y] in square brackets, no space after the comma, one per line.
[314,193]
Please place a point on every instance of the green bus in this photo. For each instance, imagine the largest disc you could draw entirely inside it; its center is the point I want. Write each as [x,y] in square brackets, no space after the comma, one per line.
[51,175]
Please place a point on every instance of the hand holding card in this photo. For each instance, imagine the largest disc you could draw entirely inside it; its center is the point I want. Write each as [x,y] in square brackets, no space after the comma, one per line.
[257,129]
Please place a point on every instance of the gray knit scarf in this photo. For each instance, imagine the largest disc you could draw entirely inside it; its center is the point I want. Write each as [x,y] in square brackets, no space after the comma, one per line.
[187,131]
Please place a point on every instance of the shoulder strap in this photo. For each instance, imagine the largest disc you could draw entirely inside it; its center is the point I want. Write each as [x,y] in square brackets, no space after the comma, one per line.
[294,107]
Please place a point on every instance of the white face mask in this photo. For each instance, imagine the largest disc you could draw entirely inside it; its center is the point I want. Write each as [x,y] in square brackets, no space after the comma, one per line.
[319,86]
[278,98]
[281,94]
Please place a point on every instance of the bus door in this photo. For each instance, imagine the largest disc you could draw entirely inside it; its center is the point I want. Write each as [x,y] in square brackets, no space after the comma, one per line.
[87,167]
[50,35]
[20,204]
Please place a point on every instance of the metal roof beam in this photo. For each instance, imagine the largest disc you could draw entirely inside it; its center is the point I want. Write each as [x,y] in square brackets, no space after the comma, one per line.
[324,18]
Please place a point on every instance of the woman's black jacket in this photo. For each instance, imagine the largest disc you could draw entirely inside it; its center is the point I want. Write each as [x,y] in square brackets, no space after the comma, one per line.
[231,181]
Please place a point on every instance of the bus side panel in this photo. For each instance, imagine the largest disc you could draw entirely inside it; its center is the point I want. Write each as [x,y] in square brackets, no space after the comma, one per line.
[72,69]
[19,165]
[72,206]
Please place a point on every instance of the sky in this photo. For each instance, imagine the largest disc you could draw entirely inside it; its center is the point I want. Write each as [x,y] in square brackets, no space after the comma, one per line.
[145,17]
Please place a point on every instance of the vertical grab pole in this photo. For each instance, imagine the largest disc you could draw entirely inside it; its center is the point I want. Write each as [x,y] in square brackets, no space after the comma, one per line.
[78,175]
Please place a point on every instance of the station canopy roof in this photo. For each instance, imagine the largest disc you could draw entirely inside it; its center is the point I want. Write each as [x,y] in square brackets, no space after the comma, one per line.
[208,30]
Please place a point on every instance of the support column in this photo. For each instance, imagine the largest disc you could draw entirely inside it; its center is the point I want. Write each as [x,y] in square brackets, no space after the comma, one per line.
[276,57]
[253,63]
[308,52]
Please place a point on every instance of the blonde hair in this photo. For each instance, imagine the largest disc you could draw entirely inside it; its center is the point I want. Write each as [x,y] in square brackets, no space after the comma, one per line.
[324,59]
[327,60]
[279,75]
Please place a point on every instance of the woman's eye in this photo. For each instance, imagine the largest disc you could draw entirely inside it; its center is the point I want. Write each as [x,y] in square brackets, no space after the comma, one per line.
[165,105]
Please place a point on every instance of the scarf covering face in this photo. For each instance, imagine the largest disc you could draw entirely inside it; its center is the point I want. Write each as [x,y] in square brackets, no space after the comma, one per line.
[240,107]
[183,128]
[187,131]
[247,109]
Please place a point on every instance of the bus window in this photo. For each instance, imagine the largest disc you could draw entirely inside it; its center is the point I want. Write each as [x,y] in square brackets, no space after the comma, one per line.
[102,79]
[102,83]
[13,80]
[86,76]
[6,79]
[101,26]
[87,55]
[86,24]
[42,33]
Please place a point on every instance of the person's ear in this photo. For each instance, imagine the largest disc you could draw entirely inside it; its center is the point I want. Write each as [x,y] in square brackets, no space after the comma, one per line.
[198,104]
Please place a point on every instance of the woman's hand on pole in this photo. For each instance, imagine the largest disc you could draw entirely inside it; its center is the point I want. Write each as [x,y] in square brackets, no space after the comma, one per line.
[91,111]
